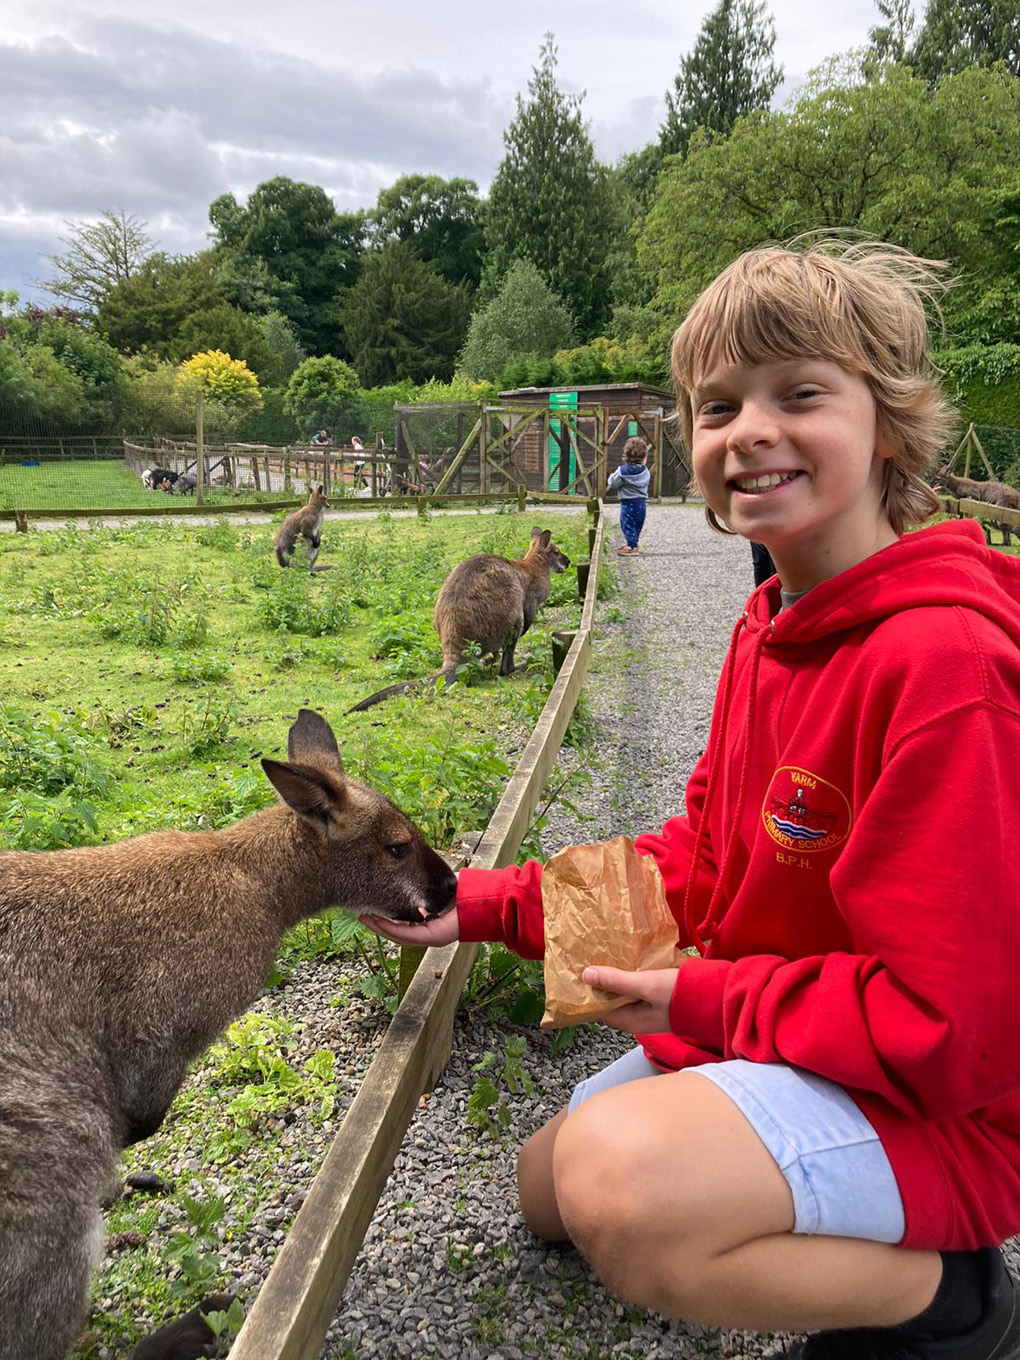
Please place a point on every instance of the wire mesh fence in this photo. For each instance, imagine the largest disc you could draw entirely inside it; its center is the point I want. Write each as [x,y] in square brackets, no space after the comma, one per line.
[49,469]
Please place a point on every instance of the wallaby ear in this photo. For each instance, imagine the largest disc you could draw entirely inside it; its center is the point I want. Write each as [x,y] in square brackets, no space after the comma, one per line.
[322,488]
[306,790]
[536,531]
[546,538]
[311,736]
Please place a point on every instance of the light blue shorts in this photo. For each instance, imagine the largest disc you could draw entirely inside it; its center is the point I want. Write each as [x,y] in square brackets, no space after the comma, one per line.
[833,1162]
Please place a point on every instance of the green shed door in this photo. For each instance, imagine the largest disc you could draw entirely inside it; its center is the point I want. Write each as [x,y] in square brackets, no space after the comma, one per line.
[559,401]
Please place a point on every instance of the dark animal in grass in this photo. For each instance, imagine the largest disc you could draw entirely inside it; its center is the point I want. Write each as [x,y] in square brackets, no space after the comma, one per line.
[306,524]
[185,484]
[20,522]
[159,479]
[120,963]
[991,493]
[489,600]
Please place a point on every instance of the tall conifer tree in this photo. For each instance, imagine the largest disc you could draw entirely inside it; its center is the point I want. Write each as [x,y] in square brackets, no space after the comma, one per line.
[729,72]
[956,34]
[548,202]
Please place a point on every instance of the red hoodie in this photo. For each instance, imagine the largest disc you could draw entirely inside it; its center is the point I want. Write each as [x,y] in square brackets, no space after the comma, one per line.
[849,864]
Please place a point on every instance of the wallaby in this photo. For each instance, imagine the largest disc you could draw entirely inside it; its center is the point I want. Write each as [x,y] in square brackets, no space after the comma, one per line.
[489,600]
[120,963]
[991,493]
[305,523]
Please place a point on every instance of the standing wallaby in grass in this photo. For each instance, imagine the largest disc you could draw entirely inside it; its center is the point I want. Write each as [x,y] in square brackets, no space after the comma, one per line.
[305,523]
[489,600]
[120,963]
[991,493]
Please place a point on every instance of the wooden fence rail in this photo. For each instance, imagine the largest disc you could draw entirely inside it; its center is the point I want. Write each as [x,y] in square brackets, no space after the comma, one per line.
[292,1312]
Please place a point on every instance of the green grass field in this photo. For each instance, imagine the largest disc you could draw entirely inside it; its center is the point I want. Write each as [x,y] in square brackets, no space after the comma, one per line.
[145,670]
[97,484]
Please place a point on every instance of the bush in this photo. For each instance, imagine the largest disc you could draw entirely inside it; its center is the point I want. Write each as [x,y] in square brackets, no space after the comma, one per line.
[525,317]
[228,382]
[321,393]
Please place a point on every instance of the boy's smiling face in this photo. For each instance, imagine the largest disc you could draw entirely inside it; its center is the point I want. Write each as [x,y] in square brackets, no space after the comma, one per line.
[787,452]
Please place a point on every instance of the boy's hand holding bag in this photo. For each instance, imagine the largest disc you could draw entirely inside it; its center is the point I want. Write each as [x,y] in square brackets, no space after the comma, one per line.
[602,904]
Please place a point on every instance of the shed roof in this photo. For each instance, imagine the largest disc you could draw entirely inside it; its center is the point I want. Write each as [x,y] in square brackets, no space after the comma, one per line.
[621,388]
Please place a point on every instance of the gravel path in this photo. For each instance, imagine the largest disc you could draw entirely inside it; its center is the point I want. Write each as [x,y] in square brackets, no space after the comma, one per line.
[448,1268]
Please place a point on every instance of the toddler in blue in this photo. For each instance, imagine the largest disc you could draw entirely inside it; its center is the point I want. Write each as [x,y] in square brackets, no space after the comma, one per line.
[631,479]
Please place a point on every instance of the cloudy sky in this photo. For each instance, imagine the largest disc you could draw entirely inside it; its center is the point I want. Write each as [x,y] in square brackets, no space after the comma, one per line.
[158,107]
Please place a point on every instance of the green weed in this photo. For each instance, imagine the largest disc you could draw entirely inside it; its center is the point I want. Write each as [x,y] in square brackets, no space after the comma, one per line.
[488,1109]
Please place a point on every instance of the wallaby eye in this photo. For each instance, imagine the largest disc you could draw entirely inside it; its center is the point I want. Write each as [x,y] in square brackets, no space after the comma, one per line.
[401,850]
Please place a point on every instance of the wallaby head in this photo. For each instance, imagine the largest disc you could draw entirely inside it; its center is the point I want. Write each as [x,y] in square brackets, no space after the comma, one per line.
[543,549]
[370,854]
[317,498]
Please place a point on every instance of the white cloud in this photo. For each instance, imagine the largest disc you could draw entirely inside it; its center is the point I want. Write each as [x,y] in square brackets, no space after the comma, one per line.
[126,103]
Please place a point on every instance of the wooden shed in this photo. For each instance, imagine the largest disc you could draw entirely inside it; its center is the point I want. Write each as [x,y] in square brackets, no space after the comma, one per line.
[602,416]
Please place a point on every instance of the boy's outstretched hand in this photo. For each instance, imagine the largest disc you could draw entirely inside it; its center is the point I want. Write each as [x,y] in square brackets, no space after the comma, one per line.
[442,930]
[652,990]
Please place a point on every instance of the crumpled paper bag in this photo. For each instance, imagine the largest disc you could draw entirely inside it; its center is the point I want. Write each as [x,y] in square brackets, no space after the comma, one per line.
[602,904]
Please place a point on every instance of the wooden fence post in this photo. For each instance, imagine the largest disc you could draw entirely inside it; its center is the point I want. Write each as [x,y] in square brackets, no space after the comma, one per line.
[200,450]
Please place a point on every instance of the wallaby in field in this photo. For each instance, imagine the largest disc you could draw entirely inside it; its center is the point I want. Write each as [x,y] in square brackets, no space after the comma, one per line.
[991,493]
[305,523]
[120,963]
[489,600]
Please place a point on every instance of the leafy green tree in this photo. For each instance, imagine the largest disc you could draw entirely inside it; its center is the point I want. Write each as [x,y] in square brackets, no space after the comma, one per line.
[956,34]
[146,311]
[402,320]
[728,73]
[442,220]
[154,403]
[289,249]
[226,328]
[321,394]
[86,355]
[985,309]
[889,41]
[524,318]
[548,201]
[100,255]
[889,157]
[283,347]
[638,170]
[229,387]
[54,370]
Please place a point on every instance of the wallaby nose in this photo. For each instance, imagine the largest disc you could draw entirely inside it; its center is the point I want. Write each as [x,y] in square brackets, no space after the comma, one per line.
[442,893]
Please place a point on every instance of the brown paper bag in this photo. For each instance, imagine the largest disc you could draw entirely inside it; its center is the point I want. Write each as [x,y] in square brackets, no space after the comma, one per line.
[603,904]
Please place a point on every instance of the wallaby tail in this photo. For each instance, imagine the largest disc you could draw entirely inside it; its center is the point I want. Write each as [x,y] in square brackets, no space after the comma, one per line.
[402,688]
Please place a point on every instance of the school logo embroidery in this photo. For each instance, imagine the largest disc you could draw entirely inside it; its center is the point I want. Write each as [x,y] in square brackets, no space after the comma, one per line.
[805,812]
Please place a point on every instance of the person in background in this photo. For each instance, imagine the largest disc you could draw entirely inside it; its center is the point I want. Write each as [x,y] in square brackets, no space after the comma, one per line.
[631,480]
[761,564]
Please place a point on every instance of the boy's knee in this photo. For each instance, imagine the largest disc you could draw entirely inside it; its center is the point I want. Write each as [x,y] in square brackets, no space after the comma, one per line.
[605,1176]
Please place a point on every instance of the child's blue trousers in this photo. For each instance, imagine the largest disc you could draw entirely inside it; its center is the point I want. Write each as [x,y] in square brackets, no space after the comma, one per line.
[632,518]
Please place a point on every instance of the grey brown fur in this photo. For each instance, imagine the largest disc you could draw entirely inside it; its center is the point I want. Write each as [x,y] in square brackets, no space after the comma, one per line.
[991,493]
[489,600]
[305,523]
[120,963]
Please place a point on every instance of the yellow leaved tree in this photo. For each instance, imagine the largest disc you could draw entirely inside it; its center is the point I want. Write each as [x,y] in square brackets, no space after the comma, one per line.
[230,388]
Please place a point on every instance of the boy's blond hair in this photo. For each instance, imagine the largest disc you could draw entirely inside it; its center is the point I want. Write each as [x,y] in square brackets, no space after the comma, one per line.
[858,304]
